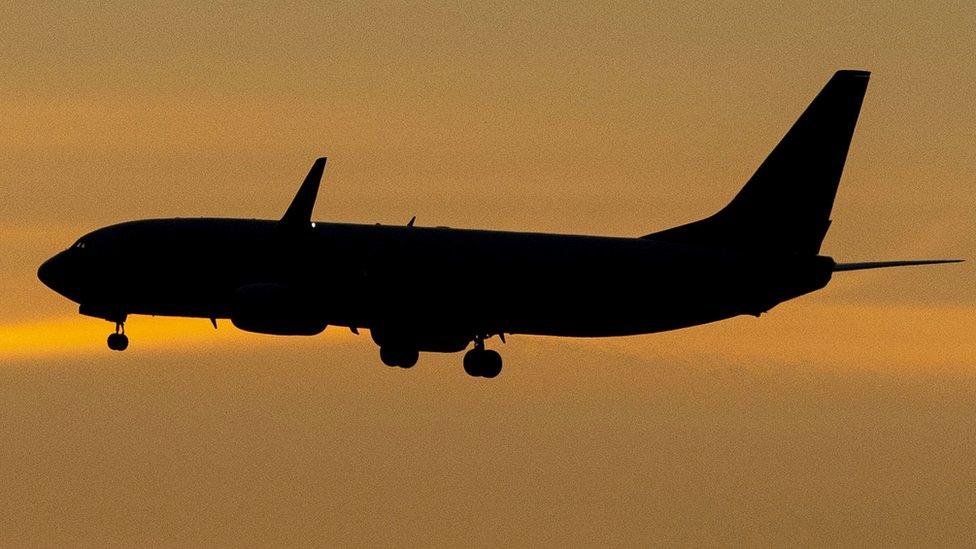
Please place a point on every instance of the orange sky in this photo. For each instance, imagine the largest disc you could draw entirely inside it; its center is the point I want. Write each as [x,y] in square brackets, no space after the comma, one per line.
[845,416]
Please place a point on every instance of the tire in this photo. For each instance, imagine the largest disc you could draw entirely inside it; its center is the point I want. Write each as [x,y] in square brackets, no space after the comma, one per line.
[408,357]
[472,362]
[404,357]
[389,356]
[491,364]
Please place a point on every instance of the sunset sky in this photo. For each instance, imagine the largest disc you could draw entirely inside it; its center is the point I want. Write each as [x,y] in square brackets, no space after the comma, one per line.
[844,417]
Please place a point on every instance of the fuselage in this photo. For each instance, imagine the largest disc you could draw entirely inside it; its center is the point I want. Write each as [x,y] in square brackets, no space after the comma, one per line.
[440,289]
[436,287]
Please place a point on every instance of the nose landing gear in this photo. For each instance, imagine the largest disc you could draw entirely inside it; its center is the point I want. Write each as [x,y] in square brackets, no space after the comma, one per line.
[481,362]
[118,341]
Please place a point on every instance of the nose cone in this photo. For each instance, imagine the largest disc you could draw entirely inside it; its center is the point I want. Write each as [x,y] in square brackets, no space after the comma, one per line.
[54,274]
[46,272]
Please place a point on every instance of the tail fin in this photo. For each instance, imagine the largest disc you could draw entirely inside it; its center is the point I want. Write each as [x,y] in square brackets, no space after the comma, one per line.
[785,206]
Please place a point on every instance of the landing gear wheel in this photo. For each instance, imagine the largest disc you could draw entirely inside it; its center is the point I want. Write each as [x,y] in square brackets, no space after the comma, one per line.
[408,358]
[399,356]
[491,365]
[118,342]
[472,363]
[482,363]
[388,356]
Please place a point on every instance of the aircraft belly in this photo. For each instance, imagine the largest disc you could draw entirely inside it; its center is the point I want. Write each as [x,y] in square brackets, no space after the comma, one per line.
[621,310]
[619,300]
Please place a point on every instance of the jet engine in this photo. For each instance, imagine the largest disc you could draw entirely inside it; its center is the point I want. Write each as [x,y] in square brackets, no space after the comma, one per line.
[275,309]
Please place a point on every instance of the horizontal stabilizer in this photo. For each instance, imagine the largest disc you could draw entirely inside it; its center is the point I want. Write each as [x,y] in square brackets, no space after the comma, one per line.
[883,264]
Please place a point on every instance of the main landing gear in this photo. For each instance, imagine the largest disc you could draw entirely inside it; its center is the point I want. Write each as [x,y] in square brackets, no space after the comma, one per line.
[481,362]
[118,341]
[478,362]
[404,357]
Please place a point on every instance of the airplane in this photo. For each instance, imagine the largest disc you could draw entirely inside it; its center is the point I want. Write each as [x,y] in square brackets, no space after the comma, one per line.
[438,289]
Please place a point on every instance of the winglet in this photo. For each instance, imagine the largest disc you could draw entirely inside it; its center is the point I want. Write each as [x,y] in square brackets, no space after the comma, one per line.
[300,211]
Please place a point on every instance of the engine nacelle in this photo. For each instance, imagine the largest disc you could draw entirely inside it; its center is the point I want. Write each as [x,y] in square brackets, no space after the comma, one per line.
[274,309]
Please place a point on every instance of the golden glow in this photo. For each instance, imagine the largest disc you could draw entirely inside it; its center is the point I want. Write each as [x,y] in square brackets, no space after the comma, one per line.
[887,337]
[81,336]
[842,418]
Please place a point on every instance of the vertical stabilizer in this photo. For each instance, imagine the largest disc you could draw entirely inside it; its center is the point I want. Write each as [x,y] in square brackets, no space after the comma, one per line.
[785,206]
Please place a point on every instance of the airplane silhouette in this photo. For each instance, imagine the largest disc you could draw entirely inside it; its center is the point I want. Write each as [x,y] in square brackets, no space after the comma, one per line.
[437,289]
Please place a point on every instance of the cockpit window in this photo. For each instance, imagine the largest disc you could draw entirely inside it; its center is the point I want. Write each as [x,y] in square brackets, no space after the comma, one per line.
[80,245]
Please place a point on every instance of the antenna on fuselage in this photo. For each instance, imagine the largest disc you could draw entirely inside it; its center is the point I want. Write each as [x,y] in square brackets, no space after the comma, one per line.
[299,213]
